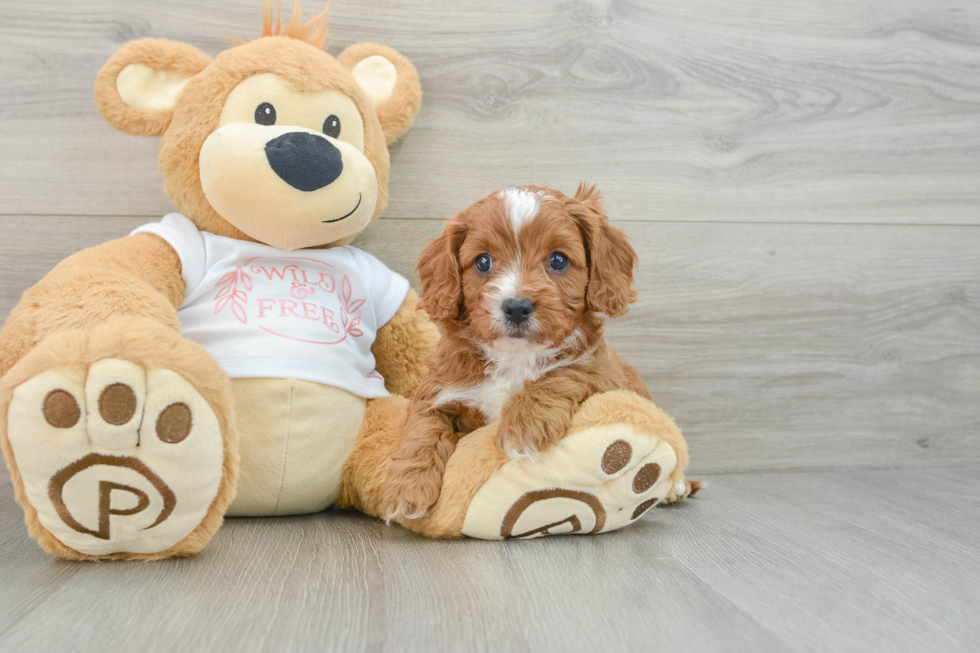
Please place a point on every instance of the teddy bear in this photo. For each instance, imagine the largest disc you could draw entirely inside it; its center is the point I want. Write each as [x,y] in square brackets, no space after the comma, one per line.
[240,356]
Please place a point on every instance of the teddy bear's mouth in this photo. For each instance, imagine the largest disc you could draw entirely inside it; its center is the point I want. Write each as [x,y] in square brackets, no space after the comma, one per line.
[344,217]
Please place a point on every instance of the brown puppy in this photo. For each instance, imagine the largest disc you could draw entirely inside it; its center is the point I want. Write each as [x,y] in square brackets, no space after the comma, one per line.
[514,282]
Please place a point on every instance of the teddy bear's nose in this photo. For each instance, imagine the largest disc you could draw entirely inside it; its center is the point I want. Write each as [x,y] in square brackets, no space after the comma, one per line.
[304,161]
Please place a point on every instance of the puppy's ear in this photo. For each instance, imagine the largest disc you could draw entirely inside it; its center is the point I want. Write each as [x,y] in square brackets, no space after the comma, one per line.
[440,274]
[611,257]
[136,90]
[390,82]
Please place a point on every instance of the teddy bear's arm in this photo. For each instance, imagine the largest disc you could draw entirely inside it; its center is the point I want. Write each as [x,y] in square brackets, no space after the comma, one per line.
[402,346]
[136,275]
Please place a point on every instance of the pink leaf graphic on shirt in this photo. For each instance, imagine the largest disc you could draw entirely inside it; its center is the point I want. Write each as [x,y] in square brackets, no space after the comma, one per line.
[239,312]
[230,294]
[348,305]
[355,305]
[346,290]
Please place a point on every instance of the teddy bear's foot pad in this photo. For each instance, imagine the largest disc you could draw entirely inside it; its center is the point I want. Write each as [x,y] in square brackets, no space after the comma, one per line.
[116,458]
[593,481]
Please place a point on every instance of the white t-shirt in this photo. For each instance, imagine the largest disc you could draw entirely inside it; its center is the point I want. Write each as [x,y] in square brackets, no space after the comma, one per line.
[262,312]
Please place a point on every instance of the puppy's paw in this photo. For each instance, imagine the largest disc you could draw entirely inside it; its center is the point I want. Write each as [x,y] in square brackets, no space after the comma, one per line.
[526,438]
[409,491]
[515,441]
[683,489]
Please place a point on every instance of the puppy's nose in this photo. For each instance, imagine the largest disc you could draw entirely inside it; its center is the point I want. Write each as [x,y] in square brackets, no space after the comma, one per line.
[518,310]
[304,161]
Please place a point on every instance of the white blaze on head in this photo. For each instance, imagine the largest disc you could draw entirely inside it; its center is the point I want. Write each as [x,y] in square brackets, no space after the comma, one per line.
[522,205]
[506,286]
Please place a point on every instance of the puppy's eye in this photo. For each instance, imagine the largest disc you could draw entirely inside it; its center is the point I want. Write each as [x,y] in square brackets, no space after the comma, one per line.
[331,126]
[484,263]
[265,114]
[558,262]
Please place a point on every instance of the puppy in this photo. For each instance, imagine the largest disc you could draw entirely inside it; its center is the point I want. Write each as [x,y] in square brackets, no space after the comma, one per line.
[515,282]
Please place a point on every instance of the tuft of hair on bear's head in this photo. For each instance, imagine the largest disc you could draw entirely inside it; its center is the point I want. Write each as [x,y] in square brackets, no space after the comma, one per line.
[314,31]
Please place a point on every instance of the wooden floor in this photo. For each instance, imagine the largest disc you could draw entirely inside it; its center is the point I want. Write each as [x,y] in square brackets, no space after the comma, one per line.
[802,181]
[883,560]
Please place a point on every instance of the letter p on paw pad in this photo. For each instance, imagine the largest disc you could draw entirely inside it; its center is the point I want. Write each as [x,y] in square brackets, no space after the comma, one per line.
[116,458]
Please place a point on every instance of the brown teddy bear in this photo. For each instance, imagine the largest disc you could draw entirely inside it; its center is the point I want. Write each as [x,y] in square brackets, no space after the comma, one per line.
[243,344]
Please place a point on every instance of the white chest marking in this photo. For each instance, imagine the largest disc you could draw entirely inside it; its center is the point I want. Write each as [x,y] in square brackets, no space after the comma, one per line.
[510,363]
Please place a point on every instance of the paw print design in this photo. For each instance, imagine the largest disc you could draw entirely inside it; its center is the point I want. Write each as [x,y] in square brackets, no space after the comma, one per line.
[593,481]
[116,458]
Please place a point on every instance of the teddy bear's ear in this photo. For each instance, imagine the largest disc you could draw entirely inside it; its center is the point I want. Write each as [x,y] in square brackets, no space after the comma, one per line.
[136,90]
[391,83]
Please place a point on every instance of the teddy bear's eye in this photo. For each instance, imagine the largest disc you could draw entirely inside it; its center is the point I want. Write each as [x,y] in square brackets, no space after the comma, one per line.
[331,126]
[265,114]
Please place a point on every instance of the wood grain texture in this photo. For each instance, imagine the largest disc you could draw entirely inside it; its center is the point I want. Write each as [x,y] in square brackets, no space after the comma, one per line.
[685,110]
[829,561]
[773,346]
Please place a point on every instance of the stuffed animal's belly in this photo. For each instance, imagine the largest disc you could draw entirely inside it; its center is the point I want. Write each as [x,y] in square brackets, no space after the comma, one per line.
[294,437]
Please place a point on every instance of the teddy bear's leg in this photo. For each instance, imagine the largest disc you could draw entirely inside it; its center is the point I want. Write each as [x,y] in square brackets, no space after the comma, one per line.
[120,441]
[622,457]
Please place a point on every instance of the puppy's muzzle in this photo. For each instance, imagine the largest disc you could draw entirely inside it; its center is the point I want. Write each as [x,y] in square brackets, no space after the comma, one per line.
[518,310]
[304,161]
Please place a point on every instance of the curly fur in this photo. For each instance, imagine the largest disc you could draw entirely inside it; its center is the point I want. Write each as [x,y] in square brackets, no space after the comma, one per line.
[532,376]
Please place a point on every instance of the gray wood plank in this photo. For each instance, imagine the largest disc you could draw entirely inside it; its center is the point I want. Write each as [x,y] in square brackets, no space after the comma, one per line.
[882,560]
[773,346]
[341,582]
[27,574]
[825,561]
[700,110]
